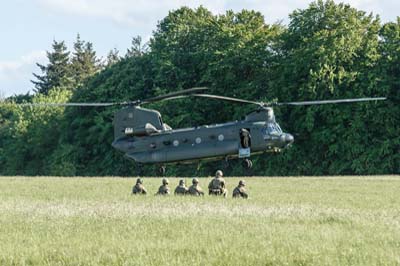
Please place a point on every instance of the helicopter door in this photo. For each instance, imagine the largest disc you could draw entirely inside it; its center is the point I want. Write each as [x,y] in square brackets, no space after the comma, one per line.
[245,143]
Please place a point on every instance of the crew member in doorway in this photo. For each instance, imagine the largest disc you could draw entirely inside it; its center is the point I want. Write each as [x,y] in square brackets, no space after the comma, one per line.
[245,138]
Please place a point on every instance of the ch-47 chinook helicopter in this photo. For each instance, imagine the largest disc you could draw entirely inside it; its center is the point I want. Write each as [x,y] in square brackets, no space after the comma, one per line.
[142,136]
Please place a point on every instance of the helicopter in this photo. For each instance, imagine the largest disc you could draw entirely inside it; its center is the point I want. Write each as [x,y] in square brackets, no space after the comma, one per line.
[142,136]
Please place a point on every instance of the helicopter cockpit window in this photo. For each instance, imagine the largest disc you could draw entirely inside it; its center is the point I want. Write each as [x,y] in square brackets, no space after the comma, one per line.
[164,126]
[272,129]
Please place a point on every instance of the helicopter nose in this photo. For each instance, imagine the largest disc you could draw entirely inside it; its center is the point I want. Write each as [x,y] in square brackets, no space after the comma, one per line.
[288,139]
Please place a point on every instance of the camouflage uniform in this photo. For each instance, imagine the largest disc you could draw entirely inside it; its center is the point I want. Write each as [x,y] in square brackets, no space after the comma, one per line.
[217,185]
[240,191]
[195,189]
[139,188]
[181,189]
[163,189]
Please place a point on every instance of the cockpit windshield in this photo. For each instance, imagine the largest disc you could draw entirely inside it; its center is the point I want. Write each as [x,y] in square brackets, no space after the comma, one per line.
[272,129]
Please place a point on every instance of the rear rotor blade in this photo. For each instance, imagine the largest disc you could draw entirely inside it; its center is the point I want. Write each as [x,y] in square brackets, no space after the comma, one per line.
[226,98]
[332,101]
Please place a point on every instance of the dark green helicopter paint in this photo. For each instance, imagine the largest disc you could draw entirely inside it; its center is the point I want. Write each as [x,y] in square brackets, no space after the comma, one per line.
[142,136]
[149,140]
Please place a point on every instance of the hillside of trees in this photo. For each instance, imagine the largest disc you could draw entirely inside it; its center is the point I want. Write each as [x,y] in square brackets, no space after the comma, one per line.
[327,51]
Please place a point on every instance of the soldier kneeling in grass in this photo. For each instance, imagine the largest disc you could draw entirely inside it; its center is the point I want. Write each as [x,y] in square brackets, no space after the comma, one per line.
[139,188]
[217,185]
[195,189]
[181,189]
[240,191]
[163,189]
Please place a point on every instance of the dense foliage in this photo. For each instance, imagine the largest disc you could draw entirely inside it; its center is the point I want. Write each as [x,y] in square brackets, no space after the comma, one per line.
[327,51]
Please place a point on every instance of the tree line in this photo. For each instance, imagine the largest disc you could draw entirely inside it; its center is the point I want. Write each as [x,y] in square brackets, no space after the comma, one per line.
[327,51]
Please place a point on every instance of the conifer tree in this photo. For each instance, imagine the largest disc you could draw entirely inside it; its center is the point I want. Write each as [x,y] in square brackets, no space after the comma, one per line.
[56,73]
[112,57]
[138,48]
[84,61]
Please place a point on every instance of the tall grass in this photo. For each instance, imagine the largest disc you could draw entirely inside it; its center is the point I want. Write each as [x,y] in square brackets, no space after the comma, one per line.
[286,221]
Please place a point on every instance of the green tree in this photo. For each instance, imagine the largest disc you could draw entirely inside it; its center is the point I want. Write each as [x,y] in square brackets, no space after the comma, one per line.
[329,51]
[228,53]
[112,57]
[388,149]
[31,134]
[138,48]
[56,73]
[84,62]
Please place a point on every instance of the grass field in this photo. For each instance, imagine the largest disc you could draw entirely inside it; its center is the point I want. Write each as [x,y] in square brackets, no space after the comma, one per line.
[287,221]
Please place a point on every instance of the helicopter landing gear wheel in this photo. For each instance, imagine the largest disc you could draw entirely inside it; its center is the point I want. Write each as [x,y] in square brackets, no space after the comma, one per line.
[161,170]
[247,163]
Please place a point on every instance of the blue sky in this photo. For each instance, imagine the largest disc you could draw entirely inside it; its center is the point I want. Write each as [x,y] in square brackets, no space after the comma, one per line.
[28,27]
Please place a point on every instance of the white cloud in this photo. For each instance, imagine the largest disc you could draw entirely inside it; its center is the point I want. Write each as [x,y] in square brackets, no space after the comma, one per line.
[11,68]
[388,10]
[146,13]
[15,75]
[127,12]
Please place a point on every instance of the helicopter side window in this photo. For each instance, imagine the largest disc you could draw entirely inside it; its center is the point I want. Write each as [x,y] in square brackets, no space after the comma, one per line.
[167,142]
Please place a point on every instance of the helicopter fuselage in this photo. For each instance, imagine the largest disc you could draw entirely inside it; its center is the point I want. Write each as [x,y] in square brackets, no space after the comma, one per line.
[208,142]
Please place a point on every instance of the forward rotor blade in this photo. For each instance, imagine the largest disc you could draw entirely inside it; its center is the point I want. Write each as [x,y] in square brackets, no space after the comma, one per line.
[332,101]
[172,95]
[226,98]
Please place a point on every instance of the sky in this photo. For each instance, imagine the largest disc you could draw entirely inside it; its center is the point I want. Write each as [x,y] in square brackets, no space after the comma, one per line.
[28,27]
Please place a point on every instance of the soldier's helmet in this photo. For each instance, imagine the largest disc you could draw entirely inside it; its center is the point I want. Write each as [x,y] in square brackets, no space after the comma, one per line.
[165,181]
[181,182]
[195,181]
[219,173]
[139,181]
[242,183]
